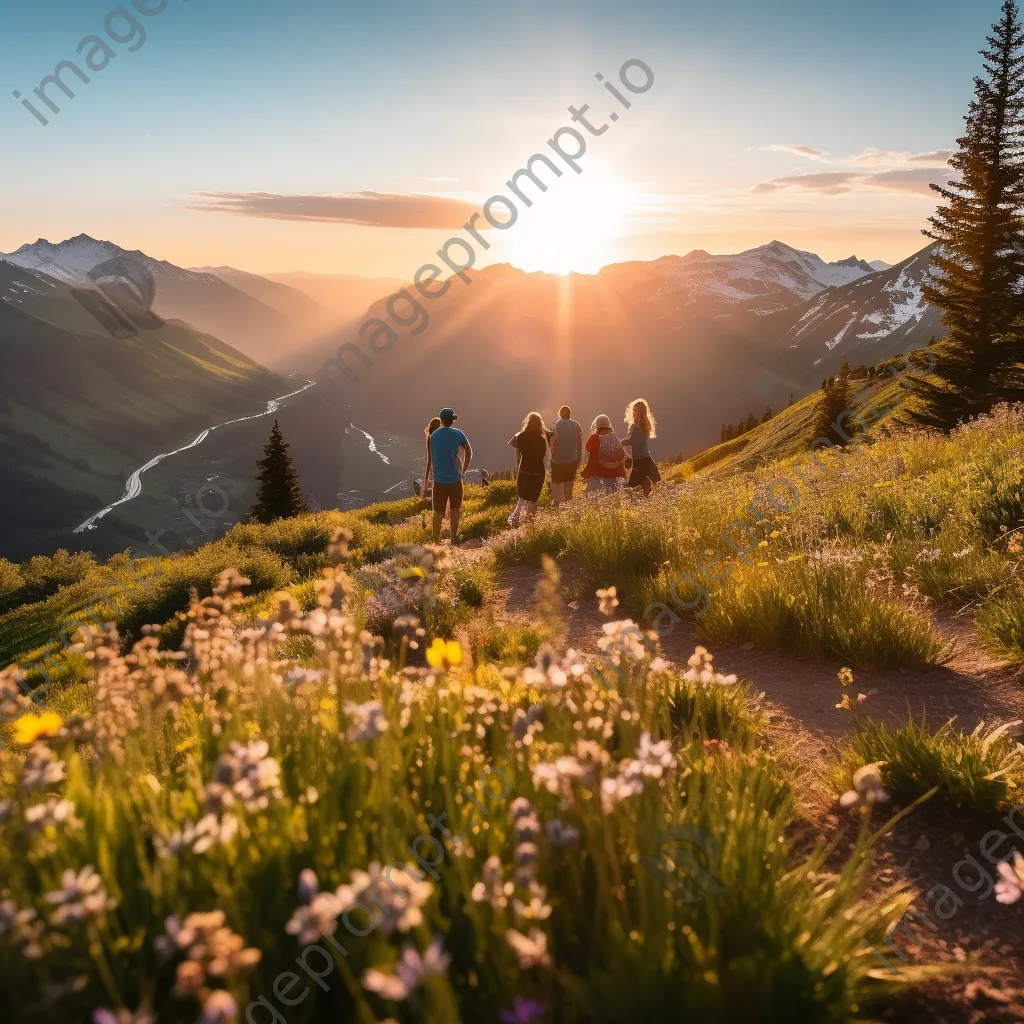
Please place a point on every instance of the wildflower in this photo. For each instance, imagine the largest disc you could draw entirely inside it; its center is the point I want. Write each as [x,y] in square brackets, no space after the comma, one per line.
[490,888]
[527,828]
[82,896]
[523,1011]
[368,721]
[444,655]
[23,929]
[546,671]
[219,1007]
[559,775]
[410,972]
[211,949]
[718,748]
[608,601]
[531,950]
[248,773]
[847,705]
[52,814]
[42,768]
[623,636]
[845,676]
[1011,880]
[929,555]
[30,728]
[700,669]
[538,909]
[523,722]
[867,787]
[560,834]
[122,1016]
[209,831]
[653,758]
[401,897]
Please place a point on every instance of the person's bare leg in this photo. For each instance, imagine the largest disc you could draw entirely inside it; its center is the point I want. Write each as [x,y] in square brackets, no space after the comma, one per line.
[455,510]
[438,523]
[648,487]
[567,489]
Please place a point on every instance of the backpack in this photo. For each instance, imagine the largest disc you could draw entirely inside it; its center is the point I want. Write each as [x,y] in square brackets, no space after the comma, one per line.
[610,453]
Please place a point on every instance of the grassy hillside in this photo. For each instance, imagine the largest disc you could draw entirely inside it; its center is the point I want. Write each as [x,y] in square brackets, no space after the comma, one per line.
[655,849]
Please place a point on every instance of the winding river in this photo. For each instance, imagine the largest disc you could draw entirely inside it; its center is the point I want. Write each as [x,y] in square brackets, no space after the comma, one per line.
[134,486]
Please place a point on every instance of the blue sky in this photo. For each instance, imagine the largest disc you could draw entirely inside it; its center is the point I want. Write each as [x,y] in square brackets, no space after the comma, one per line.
[318,98]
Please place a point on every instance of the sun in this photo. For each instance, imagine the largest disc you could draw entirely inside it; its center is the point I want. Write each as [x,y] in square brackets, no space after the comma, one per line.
[577,225]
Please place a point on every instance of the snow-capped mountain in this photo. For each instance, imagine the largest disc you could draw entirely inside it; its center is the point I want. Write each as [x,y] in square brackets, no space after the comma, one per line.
[764,279]
[868,320]
[203,300]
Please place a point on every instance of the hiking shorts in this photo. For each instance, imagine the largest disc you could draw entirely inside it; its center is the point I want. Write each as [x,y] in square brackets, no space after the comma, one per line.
[564,472]
[446,495]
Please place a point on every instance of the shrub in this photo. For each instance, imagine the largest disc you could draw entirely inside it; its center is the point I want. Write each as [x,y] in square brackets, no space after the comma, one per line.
[981,771]
[1000,623]
[819,609]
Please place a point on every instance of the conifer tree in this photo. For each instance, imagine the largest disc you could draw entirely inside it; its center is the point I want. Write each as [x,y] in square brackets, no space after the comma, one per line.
[279,495]
[979,256]
[835,400]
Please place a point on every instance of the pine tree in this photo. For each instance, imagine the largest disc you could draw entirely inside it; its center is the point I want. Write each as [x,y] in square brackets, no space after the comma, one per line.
[835,400]
[279,495]
[980,256]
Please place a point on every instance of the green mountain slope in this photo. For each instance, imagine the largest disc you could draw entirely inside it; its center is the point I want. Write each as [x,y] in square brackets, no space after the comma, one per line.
[80,409]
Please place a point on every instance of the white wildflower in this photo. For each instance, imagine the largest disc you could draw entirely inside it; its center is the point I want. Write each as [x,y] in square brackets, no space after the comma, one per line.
[1011,880]
[368,721]
[53,813]
[531,950]
[867,787]
[607,601]
[80,897]
[410,972]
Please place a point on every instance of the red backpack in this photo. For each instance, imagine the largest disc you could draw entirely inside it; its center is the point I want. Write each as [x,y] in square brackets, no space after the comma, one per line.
[610,453]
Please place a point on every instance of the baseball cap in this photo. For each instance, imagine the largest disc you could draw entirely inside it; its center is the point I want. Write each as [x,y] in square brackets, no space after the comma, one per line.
[447,415]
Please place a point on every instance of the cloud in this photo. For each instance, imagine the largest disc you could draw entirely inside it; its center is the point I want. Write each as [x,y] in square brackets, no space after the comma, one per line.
[938,156]
[915,180]
[371,209]
[808,151]
[829,183]
[874,156]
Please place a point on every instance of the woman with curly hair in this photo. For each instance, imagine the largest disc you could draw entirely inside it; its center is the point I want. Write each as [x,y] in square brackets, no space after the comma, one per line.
[642,428]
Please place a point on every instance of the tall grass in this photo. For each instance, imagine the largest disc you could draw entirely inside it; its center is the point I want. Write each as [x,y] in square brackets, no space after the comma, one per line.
[622,919]
[981,771]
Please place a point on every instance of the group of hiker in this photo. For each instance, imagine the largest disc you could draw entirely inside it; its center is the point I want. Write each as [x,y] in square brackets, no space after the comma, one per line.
[449,454]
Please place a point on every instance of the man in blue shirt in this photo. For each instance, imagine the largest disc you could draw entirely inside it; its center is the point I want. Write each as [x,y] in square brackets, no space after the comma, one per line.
[446,445]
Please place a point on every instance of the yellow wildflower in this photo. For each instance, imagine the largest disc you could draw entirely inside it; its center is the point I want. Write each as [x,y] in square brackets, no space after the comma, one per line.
[29,728]
[775,533]
[186,744]
[444,655]
[763,544]
[413,571]
[845,676]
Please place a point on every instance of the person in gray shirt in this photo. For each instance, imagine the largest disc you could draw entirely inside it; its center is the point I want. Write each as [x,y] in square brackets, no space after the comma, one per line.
[566,451]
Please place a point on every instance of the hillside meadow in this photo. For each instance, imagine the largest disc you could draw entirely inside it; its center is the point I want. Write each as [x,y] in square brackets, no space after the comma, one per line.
[310,772]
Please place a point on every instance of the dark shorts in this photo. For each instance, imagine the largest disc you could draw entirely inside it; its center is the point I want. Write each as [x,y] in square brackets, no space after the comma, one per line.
[564,472]
[447,494]
[643,469]
[529,485]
